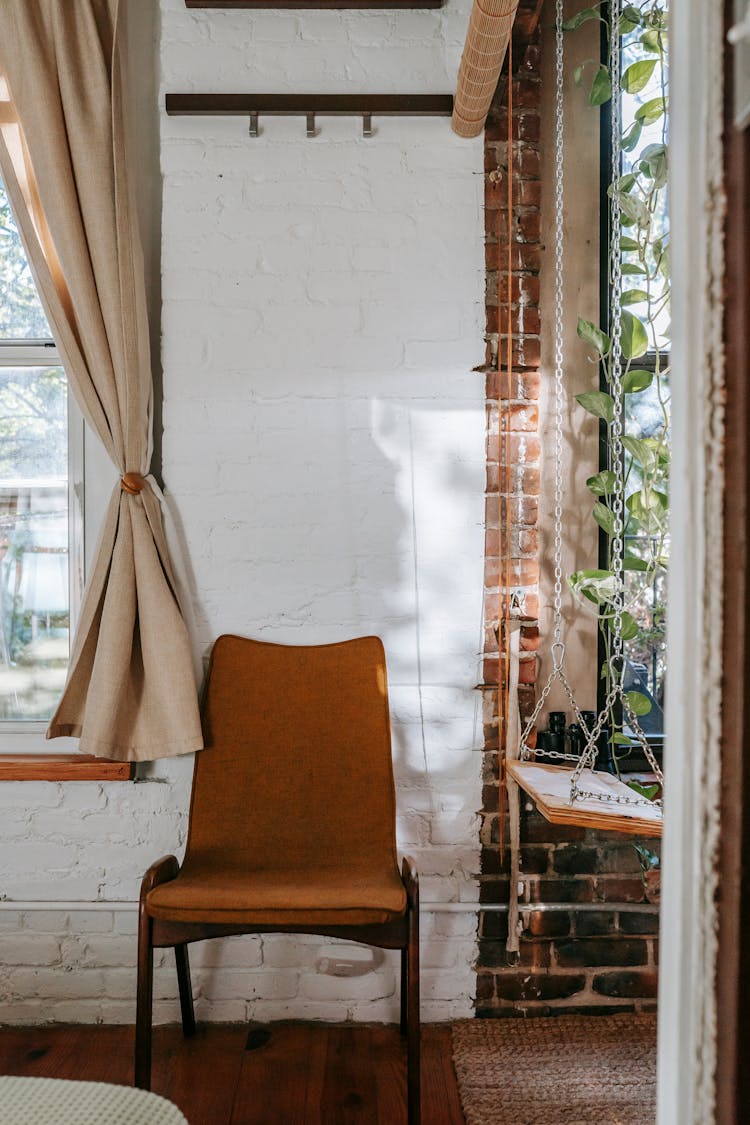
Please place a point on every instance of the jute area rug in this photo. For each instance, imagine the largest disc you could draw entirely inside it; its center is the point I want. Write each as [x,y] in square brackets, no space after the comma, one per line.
[564,1070]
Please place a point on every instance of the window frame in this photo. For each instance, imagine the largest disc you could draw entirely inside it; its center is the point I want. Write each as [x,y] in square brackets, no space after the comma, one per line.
[637,758]
[27,736]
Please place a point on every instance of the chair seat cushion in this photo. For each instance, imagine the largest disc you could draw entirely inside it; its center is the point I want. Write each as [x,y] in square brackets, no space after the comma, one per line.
[203,892]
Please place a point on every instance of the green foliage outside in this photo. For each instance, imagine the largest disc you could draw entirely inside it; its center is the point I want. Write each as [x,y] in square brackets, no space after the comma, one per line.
[21,313]
[644,246]
[33,499]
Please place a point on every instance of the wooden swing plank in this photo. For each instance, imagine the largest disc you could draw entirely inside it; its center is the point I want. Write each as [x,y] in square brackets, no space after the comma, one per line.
[549,788]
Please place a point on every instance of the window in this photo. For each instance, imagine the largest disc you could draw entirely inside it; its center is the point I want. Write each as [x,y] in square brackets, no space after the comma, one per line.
[644,258]
[41,503]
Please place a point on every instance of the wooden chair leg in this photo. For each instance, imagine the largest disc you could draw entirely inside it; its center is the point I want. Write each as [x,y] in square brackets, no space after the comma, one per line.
[144,1015]
[404,986]
[412,1019]
[186,990]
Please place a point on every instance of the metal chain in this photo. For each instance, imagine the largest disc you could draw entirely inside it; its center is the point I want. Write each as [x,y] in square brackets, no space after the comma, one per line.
[558,646]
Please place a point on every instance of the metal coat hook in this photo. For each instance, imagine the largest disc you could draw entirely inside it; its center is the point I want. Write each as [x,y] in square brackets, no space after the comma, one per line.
[366,124]
[310,124]
[253,124]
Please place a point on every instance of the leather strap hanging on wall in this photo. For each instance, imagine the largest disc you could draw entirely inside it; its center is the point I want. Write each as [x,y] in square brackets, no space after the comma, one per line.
[487,41]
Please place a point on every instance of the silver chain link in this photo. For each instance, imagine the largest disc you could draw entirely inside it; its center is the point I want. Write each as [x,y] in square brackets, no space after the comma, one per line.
[558,647]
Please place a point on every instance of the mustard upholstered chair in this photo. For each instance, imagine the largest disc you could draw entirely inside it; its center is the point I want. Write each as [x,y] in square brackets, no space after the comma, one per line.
[292,822]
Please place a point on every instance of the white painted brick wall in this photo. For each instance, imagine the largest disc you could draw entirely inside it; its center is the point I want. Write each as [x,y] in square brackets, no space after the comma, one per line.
[324,455]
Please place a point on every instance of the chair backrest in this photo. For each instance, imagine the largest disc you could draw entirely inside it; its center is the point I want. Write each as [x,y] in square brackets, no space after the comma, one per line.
[297,769]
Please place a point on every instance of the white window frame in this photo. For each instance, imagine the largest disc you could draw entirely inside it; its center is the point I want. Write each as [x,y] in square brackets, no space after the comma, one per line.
[19,736]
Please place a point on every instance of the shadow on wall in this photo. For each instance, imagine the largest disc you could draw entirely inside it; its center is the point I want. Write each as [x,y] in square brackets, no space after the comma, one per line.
[375,527]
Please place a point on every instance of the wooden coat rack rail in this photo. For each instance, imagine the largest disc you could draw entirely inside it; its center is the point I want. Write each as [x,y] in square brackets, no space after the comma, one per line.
[308,106]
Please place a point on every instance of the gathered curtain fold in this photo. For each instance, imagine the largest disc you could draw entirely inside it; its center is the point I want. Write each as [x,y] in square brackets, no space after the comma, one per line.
[131,692]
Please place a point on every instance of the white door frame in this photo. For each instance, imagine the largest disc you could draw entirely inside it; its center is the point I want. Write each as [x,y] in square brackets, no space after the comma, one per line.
[687,1007]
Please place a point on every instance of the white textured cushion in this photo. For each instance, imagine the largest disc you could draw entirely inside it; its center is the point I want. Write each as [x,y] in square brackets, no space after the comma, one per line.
[54,1101]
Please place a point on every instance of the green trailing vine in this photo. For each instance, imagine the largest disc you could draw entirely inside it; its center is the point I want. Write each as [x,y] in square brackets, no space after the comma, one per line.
[644,246]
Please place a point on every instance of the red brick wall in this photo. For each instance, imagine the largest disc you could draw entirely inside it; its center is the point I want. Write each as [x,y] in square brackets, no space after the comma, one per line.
[600,950]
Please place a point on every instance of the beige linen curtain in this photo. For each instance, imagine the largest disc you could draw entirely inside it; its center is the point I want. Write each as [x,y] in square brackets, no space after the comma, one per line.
[131,691]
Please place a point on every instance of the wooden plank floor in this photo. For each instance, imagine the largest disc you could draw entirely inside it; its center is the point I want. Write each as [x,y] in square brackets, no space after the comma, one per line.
[278,1074]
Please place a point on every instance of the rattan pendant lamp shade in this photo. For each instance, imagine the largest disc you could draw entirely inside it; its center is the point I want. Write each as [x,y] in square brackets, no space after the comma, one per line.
[487,41]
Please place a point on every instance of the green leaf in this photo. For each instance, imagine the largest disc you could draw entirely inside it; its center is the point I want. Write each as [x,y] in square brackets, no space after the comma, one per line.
[581,17]
[631,268]
[602,483]
[578,75]
[605,517]
[633,336]
[639,449]
[651,40]
[654,165]
[635,208]
[633,297]
[648,508]
[632,562]
[637,75]
[639,704]
[630,626]
[647,791]
[630,18]
[647,857]
[631,138]
[637,380]
[598,586]
[651,111]
[601,87]
[627,243]
[621,739]
[598,403]
[593,335]
[627,182]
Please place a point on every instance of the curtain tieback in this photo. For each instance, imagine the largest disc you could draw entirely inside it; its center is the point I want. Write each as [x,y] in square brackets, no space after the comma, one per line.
[132,483]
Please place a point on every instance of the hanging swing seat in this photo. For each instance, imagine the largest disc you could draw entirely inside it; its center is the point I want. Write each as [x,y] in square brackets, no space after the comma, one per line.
[549,788]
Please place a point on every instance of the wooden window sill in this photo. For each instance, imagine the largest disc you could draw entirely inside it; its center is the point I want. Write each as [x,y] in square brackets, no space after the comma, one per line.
[63,767]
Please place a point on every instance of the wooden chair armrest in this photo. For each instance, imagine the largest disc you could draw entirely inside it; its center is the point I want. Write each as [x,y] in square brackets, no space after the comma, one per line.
[411,880]
[163,871]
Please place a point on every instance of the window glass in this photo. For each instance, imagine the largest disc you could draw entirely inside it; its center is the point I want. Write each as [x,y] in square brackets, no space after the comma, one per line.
[34,505]
[647,413]
[21,313]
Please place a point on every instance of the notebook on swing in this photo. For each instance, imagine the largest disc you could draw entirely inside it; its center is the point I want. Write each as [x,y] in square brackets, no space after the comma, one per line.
[549,788]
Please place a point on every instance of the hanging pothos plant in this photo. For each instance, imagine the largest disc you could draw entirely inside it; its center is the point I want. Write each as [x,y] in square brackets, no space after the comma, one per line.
[645,292]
